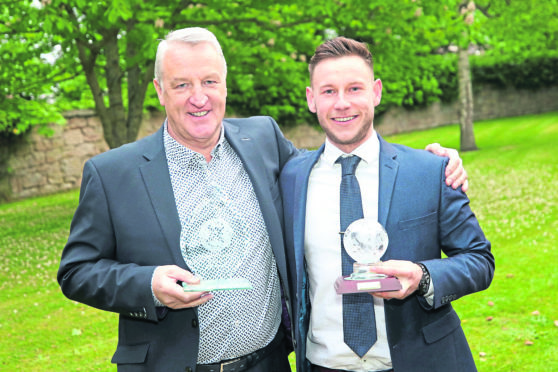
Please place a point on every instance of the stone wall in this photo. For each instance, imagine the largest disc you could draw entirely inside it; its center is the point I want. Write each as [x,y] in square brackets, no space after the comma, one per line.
[489,103]
[41,165]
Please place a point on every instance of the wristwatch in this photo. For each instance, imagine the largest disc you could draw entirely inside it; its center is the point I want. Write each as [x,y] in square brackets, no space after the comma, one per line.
[424,281]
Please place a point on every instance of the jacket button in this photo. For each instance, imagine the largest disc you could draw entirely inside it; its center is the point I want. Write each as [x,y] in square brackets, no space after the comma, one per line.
[195,323]
[188,369]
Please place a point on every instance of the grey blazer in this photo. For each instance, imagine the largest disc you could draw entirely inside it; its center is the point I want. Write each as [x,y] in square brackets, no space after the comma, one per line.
[127,223]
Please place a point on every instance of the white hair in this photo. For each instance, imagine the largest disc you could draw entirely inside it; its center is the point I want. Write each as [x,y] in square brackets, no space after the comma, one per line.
[190,35]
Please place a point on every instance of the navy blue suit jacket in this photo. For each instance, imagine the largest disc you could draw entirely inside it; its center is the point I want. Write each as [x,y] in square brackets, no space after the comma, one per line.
[127,223]
[423,218]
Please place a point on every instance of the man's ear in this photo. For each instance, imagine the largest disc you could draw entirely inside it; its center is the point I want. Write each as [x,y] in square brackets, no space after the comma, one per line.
[159,90]
[377,89]
[310,100]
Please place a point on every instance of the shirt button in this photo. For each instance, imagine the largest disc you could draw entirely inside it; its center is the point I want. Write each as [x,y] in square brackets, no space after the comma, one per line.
[195,323]
[236,323]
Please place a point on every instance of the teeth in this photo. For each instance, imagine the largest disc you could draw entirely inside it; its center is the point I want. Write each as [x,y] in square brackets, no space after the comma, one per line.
[199,114]
[345,118]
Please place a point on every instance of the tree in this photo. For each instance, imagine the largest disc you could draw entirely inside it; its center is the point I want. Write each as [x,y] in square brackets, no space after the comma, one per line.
[25,75]
[510,30]
[113,45]
[466,110]
[267,45]
[104,50]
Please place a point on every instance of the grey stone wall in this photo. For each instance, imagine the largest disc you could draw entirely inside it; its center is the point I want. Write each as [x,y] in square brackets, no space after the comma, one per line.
[489,103]
[43,165]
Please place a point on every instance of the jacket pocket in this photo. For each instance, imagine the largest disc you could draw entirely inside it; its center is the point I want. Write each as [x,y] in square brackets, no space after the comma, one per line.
[412,223]
[441,328]
[127,354]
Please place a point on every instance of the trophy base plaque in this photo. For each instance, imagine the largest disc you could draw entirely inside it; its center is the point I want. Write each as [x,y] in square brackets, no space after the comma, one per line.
[345,285]
[218,285]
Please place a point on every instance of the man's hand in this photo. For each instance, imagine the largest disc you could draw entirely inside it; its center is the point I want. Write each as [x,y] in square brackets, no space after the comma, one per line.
[408,273]
[456,175]
[171,294]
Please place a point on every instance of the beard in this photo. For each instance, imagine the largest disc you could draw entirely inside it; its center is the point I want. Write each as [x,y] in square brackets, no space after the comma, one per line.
[357,139]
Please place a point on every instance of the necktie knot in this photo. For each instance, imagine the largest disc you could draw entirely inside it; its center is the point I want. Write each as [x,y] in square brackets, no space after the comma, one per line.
[348,164]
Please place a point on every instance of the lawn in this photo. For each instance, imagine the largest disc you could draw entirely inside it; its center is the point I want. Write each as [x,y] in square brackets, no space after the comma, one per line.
[512,326]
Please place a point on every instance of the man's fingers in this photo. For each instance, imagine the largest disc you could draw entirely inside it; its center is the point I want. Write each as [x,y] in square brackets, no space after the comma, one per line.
[458,179]
[455,172]
[465,186]
[454,164]
[180,274]
[435,148]
[191,299]
[171,294]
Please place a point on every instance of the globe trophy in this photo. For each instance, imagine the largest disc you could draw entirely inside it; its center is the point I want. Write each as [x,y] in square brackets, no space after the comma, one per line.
[366,241]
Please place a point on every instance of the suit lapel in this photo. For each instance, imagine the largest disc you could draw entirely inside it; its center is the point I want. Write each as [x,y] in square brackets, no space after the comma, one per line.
[299,213]
[155,173]
[388,167]
[244,147]
[247,150]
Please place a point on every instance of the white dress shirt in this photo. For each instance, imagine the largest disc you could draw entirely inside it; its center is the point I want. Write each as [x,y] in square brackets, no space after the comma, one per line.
[322,247]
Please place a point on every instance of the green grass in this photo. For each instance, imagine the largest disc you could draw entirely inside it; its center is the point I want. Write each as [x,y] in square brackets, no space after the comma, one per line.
[513,192]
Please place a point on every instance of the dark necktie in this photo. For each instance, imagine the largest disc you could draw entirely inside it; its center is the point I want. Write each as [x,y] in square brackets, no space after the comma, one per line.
[359,323]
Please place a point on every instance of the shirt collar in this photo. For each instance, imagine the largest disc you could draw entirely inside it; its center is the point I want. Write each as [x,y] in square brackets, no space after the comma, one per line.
[369,151]
[175,150]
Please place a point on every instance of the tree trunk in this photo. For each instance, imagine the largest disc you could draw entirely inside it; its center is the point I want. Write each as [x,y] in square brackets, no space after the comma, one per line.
[138,79]
[115,129]
[465,102]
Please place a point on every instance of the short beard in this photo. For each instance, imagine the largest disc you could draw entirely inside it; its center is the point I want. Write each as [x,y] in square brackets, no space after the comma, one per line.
[356,139]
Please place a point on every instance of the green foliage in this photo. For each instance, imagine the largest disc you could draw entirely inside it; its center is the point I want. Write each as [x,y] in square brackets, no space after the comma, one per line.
[510,194]
[102,52]
[532,73]
[25,76]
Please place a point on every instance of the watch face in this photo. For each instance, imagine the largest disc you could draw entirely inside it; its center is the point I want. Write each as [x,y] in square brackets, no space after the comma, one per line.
[365,240]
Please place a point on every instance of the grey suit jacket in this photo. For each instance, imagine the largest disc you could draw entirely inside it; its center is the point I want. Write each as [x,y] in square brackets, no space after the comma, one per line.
[127,224]
[423,218]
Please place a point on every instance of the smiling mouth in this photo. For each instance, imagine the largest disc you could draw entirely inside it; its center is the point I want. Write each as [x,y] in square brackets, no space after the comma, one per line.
[199,114]
[345,118]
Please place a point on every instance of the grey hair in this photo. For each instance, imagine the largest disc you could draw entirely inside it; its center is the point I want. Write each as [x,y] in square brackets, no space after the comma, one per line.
[190,35]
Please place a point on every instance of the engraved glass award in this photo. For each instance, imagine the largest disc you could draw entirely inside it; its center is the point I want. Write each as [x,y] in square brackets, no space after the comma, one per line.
[208,240]
[366,241]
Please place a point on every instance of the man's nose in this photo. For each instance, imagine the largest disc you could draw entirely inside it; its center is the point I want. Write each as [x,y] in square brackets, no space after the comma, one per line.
[198,97]
[341,103]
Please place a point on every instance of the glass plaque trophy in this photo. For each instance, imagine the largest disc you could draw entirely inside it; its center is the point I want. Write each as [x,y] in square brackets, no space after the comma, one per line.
[209,243]
[366,241]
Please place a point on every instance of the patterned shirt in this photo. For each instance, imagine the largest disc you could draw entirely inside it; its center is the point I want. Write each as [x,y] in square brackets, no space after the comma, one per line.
[223,235]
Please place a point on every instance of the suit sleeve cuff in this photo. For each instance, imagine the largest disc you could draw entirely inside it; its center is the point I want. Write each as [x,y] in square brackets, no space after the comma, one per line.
[155,299]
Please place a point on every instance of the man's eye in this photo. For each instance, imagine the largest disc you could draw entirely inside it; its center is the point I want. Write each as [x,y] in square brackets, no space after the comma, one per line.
[328,91]
[210,82]
[183,85]
[354,89]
